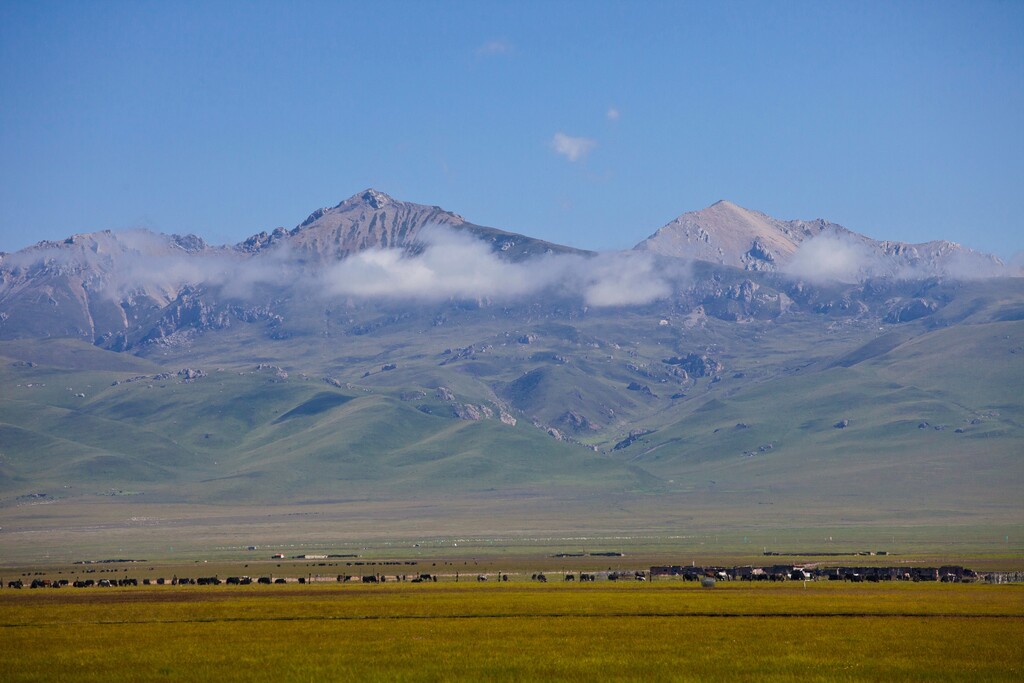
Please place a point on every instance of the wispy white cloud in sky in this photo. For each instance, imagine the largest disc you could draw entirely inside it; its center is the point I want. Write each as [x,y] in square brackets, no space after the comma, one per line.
[572,148]
[494,47]
[613,114]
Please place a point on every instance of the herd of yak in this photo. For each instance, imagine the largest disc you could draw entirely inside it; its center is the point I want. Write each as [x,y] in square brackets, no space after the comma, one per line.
[949,574]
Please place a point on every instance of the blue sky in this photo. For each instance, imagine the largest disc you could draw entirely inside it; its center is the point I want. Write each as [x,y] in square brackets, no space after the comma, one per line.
[585,123]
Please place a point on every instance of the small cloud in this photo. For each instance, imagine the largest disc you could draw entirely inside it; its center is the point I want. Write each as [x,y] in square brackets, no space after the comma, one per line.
[623,279]
[831,256]
[494,47]
[613,114]
[572,148]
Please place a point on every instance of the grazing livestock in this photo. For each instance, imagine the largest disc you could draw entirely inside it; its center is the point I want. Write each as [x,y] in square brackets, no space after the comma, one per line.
[15,584]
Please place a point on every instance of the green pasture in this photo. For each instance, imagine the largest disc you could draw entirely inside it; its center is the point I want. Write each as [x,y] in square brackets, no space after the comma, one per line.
[668,630]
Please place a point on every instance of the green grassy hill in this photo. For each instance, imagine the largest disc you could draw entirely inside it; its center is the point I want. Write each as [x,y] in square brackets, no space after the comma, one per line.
[807,405]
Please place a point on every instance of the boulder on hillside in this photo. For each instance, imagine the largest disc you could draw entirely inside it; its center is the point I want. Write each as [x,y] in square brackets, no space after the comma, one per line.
[189,374]
[632,438]
[573,421]
[641,388]
[468,411]
[696,365]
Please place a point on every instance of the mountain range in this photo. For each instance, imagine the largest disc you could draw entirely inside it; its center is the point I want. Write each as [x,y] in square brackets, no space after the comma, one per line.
[385,350]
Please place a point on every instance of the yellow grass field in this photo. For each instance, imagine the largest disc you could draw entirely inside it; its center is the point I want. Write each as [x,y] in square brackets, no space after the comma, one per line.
[666,630]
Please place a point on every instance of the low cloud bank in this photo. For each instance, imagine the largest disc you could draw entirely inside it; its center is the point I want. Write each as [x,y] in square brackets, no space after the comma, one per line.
[845,257]
[450,265]
[457,266]
[134,261]
[154,267]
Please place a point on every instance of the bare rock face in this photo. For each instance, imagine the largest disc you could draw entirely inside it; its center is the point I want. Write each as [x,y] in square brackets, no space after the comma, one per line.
[189,374]
[696,365]
[573,421]
[759,251]
[743,291]
[262,240]
[468,411]
[192,244]
[631,438]
[905,311]
[639,388]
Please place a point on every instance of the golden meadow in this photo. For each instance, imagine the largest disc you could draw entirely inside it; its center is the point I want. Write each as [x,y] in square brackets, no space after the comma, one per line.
[664,630]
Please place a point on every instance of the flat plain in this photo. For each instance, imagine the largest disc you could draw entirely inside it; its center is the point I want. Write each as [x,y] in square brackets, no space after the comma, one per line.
[520,630]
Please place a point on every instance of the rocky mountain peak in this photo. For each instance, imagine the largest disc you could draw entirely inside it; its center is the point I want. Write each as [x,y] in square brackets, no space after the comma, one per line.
[375,198]
[193,244]
[725,204]
[728,234]
[370,219]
